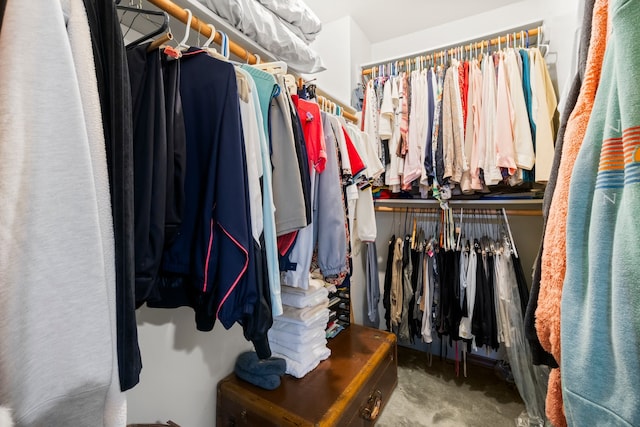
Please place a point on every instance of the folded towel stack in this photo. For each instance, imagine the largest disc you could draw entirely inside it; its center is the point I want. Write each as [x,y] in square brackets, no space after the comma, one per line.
[298,335]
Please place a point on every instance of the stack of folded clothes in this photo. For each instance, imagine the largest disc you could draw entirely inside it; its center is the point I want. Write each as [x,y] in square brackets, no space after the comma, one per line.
[298,335]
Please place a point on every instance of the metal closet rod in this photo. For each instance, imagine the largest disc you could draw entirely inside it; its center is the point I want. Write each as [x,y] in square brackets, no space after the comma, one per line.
[202,27]
[510,212]
[450,50]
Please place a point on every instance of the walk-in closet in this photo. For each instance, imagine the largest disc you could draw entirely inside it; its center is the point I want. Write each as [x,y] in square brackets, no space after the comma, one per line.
[319,213]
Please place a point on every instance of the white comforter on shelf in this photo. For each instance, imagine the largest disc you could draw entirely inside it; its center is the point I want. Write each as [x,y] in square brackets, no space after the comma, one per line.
[297,16]
[269,30]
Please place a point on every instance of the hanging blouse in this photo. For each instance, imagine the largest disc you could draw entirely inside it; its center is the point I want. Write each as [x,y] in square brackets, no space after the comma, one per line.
[525,156]
[545,104]
[416,134]
[505,116]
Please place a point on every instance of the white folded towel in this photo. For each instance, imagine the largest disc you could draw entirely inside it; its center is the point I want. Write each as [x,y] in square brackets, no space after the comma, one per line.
[303,316]
[299,370]
[300,336]
[298,347]
[301,329]
[302,298]
[303,357]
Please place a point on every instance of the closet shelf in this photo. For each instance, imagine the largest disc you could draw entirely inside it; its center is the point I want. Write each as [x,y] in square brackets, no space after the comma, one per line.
[526,207]
[240,45]
[530,31]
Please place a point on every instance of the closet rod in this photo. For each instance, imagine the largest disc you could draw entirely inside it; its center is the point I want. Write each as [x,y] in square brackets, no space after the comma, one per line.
[510,212]
[450,50]
[197,24]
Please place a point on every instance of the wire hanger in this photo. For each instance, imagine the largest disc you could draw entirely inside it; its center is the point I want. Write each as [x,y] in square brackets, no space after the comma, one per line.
[511,241]
[140,11]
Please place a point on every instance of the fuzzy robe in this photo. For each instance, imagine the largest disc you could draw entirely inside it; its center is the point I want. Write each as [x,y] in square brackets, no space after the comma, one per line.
[554,261]
[600,326]
[58,362]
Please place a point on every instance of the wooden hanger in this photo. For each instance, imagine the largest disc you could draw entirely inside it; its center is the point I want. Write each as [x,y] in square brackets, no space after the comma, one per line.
[160,41]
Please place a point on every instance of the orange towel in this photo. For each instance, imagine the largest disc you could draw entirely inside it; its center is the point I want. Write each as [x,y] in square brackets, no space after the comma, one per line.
[554,255]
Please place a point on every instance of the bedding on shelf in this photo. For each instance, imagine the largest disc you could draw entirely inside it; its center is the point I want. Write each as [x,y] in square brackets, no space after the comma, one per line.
[297,16]
[267,29]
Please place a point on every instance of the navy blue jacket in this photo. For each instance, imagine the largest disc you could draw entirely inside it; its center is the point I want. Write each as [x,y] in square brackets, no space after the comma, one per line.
[213,249]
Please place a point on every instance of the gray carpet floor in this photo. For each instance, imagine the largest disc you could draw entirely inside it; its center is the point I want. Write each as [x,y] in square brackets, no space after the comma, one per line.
[434,396]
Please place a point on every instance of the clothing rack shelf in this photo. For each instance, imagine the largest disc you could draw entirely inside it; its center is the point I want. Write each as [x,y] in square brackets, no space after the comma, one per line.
[236,49]
[517,34]
[513,206]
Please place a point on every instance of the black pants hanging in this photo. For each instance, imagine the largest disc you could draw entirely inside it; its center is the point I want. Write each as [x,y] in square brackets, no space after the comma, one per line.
[150,165]
[115,99]
[386,297]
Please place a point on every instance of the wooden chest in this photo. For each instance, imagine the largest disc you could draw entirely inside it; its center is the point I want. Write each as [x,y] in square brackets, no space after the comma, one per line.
[350,388]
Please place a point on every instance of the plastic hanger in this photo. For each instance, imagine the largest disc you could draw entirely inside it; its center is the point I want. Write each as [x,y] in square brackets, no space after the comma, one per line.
[183,43]
[290,82]
[211,37]
[210,50]
[543,46]
[277,67]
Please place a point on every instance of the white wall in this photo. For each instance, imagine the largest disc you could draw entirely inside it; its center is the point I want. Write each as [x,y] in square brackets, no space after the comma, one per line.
[360,53]
[333,46]
[560,23]
[343,47]
[181,367]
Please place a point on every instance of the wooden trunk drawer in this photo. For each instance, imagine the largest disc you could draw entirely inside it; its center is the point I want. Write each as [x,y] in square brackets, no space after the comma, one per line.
[352,385]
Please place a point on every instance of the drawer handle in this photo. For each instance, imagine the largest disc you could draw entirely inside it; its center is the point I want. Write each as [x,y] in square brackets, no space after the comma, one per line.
[371,411]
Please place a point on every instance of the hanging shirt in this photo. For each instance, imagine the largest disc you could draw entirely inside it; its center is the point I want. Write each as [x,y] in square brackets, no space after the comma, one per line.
[487,140]
[468,280]
[427,297]
[436,145]
[459,149]
[416,134]
[150,159]
[505,118]
[298,260]
[365,229]
[528,176]
[387,117]
[309,113]
[268,208]
[431,102]
[525,156]
[404,115]
[545,104]
[267,89]
[396,163]
[396,285]
[253,158]
[370,116]
[463,81]
[452,132]
[214,243]
[474,125]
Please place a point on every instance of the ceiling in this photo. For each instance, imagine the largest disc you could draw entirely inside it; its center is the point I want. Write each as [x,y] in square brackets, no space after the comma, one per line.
[383,19]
